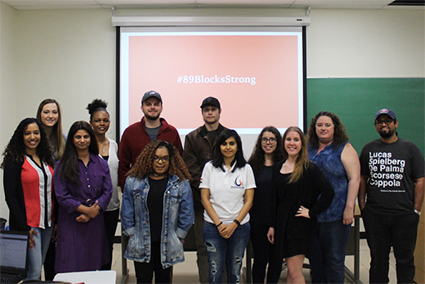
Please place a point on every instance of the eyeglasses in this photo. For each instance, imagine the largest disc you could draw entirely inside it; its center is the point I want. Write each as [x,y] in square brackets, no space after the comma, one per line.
[387,122]
[164,159]
[270,140]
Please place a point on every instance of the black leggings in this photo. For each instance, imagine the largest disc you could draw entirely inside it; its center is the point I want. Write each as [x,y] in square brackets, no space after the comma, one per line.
[144,271]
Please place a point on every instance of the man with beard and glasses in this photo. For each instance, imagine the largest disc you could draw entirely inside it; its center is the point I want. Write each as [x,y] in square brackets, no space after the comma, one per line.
[138,135]
[197,152]
[390,197]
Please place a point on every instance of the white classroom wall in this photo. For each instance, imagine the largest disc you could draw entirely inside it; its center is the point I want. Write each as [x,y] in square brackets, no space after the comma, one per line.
[69,55]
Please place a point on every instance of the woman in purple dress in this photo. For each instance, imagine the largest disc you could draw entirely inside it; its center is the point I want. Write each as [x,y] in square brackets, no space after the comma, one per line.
[83,189]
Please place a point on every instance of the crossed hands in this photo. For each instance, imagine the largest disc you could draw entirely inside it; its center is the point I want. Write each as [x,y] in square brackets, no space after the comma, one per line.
[89,213]
[226,231]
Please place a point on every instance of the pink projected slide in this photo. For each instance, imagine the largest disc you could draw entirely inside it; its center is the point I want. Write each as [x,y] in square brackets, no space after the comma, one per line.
[256,78]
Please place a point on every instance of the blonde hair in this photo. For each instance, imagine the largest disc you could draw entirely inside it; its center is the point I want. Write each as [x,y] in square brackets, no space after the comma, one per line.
[302,161]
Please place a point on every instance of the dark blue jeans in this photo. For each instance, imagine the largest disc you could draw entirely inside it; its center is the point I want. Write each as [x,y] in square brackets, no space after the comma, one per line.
[225,252]
[327,258]
[382,232]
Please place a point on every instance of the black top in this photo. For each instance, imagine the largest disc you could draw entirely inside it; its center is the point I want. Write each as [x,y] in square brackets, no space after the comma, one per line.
[288,197]
[260,211]
[155,205]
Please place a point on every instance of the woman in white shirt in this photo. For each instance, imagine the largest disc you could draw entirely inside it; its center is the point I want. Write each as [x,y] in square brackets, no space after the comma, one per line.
[227,192]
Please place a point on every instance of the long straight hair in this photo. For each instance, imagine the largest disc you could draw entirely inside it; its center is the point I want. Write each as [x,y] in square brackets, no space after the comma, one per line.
[70,169]
[302,161]
[218,160]
[57,140]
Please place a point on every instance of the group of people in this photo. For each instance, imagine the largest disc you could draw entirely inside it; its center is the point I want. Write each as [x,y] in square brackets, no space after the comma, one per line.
[294,197]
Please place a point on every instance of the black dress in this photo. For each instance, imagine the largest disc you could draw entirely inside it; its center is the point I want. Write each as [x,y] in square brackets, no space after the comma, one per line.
[293,234]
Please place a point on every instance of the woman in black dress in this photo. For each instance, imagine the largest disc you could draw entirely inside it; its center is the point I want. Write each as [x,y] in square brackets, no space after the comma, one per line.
[296,187]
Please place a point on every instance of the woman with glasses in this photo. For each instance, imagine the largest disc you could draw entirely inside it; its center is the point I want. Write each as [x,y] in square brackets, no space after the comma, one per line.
[108,149]
[227,191]
[267,152]
[157,211]
[329,149]
[300,192]
[83,190]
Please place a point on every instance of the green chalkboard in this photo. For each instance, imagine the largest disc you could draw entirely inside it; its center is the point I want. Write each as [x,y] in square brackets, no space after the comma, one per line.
[356,100]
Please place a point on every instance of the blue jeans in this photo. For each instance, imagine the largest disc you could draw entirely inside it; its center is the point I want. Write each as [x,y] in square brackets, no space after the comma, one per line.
[382,232]
[225,252]
[327,258]
[37,254]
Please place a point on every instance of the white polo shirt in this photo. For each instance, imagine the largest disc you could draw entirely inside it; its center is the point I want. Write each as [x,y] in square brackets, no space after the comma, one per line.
[227,190]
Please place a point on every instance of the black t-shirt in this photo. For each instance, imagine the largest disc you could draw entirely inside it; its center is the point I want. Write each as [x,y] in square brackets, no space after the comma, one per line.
[392,169]
[155,206]
[260,211]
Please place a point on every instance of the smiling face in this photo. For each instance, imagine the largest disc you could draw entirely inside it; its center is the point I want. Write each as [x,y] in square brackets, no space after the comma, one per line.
[152,108]
[229,148]
[268,142]
[100,122]
[161,162]
[49,114]
[82,140]
[325,129]
[386,126]
[32,138]
[293,143]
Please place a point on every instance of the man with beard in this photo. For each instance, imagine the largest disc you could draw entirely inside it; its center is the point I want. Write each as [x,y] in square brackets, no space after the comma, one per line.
[390,197]
[139,134]
[197,152]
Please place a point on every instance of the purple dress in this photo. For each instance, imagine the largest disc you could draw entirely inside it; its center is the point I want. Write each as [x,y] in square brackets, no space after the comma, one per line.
[82,246]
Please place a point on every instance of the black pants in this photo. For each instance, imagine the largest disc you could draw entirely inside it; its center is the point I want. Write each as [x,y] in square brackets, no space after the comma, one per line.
[111,221]
[262,255]
[144,271]
[384,231]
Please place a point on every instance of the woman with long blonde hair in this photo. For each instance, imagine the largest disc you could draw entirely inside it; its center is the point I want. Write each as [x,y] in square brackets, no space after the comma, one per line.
[296,187]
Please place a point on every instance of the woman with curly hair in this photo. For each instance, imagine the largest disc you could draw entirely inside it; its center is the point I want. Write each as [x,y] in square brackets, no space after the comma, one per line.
[157,211]
[49,113]
[108,150]
[267,152]
[83,190]
[299,192]
[227,190]
[329,149]
[28,174]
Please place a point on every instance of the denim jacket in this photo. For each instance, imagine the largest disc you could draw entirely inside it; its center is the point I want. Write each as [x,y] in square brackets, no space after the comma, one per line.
[178,217]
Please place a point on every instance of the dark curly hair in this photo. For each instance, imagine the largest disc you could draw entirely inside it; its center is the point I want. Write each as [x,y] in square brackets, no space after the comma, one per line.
[70,170]
[16,149]
[340,135]
[95,106]
[144,163]
[257,158]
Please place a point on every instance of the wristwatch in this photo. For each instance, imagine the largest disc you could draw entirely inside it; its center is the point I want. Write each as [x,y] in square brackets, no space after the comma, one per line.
[417,212]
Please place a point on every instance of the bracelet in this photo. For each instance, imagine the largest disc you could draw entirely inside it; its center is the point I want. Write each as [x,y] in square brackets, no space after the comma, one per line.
[417,212]
[237,222]
[219,224]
